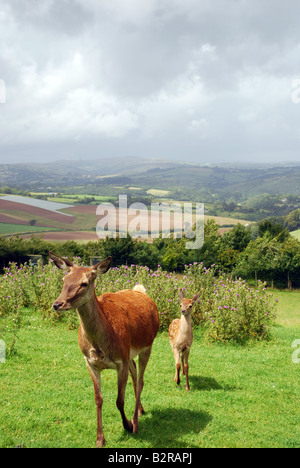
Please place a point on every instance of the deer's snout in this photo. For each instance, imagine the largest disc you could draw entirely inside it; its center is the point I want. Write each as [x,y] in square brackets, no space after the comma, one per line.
[57,305]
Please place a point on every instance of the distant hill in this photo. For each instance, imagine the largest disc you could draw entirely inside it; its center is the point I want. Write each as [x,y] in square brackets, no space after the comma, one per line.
[72,172]
[230,180]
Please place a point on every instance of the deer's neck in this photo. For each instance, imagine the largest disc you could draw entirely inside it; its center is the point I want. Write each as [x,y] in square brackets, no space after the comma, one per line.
[185,324]
[94,322]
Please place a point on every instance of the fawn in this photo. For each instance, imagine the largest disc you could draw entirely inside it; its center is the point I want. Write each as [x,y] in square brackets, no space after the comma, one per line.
[181,338]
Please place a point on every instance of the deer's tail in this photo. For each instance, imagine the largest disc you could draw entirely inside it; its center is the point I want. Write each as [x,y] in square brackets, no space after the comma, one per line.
[140,288]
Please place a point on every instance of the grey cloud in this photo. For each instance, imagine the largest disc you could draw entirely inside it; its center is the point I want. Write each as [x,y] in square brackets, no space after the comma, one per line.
[177,78]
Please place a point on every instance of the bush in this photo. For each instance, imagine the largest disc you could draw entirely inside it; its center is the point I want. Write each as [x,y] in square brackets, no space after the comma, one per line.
[11,305]
[228,310]
[239,313]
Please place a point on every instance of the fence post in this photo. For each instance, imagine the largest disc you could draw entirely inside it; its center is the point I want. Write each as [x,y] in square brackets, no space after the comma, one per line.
[290,284]
[2,352]
[95,260]
[35,260]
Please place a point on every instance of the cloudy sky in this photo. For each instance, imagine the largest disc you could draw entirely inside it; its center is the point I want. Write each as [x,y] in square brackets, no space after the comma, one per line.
[193,80]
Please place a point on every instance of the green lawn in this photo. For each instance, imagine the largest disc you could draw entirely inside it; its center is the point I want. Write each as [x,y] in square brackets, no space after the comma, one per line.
[6,229]
[296,234]
[240,396]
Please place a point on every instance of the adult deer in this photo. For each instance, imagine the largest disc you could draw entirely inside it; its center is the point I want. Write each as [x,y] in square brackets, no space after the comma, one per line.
[181,338]
[114,329]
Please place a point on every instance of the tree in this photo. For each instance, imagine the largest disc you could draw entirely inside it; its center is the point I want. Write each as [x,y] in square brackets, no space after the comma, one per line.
[290,260]
[121,250]
[292,221]
[237,238]
[175,256]
[274,227]
[209,252]
[261,259]
[227,260]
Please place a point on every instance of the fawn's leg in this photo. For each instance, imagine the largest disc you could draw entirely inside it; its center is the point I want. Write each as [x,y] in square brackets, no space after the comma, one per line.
[177,365]
[186,370]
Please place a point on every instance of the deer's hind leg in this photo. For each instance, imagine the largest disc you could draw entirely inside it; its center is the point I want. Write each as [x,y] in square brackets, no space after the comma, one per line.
[186,369]
[122,382]
[143,361]
[133,373]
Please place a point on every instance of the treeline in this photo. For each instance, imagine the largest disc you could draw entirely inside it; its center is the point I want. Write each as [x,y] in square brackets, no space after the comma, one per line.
[264,252]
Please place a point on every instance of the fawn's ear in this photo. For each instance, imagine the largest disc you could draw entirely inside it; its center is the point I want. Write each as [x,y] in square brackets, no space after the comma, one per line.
[102,267]
[61,263]
[181,294]
[196,296]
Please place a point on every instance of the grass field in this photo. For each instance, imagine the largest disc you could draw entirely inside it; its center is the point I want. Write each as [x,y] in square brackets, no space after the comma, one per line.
[240,396]
[296,234]
[6,228]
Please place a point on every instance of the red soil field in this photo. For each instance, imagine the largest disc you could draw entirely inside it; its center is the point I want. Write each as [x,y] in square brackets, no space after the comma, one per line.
[12,206]
[10,220]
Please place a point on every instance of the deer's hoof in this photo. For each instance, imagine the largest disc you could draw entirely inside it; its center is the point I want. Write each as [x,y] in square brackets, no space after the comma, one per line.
[135,428]
[100,443]
[128,427]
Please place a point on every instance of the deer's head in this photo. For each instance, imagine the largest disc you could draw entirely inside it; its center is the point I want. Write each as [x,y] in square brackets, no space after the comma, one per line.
[187,304]
[78,287]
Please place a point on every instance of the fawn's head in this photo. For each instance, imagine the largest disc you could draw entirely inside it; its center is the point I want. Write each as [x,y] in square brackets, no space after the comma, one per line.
[78,287]
[187,304]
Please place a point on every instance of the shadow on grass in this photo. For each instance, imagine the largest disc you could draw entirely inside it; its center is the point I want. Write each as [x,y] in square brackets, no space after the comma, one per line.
[207,384]
[167,427]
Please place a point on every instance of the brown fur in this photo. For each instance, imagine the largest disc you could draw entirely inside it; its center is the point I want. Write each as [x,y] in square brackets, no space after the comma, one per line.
[114,329]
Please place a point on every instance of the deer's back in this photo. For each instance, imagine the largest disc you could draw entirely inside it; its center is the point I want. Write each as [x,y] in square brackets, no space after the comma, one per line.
[132,315]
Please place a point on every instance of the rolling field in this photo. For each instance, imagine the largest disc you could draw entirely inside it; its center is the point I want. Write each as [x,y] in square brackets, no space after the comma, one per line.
[80,220]
[296,234]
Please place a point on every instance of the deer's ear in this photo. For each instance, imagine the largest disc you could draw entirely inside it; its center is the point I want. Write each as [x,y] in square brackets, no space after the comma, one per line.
[102,267]
[181,294]
[61,263]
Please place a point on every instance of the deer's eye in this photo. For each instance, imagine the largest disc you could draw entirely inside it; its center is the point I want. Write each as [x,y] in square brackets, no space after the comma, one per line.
[84,285]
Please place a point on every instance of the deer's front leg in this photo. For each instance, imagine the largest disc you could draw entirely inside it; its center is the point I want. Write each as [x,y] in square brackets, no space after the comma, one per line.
[96,378]
[177,365]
